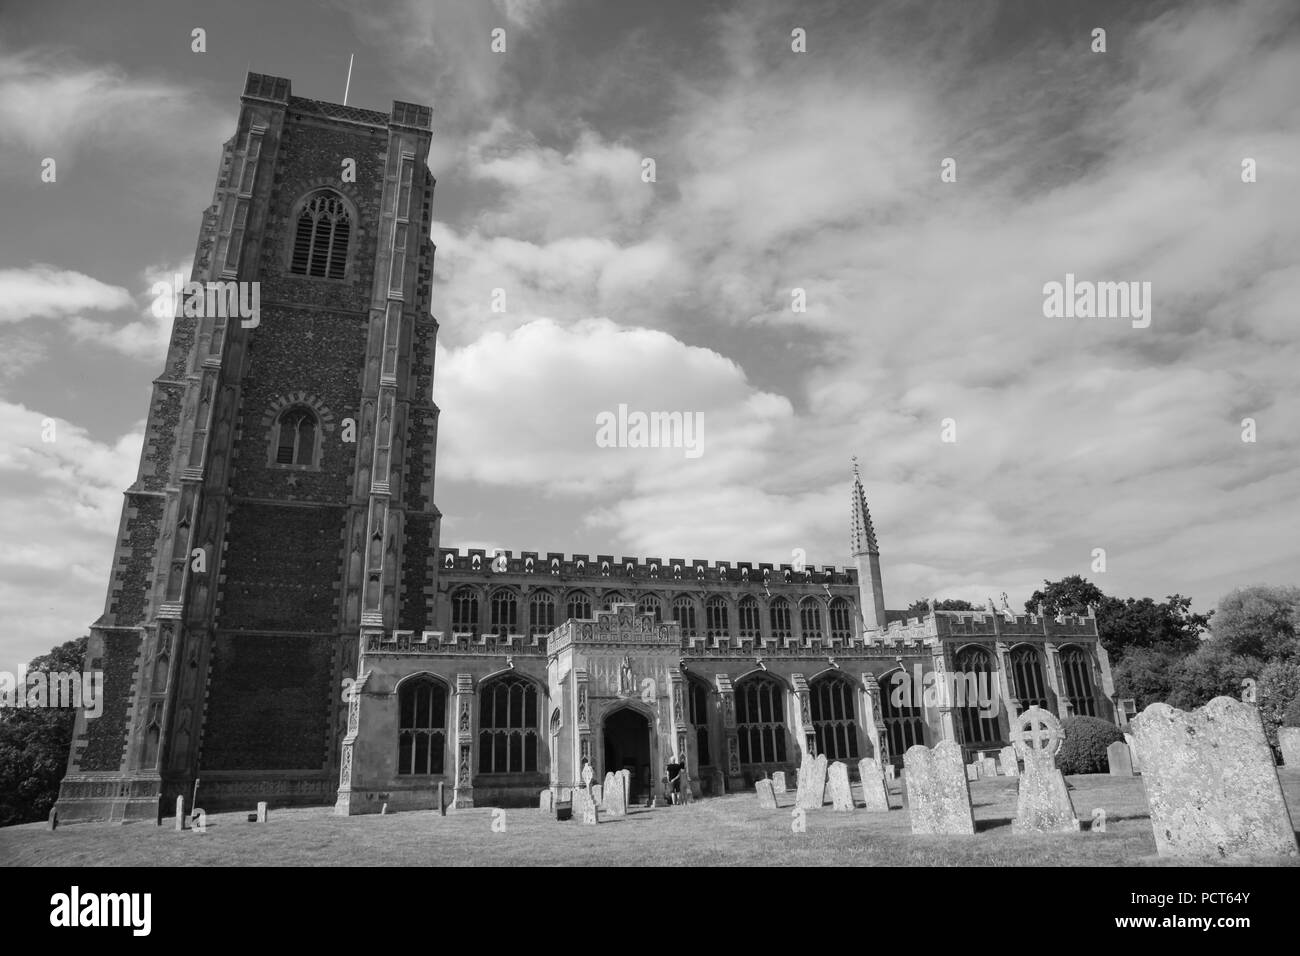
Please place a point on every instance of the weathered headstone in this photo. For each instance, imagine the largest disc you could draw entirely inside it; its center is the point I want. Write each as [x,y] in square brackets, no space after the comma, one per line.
[261,811]
[837,776]
[383,811]
[546,800]
[988,766]
[972,771]
[812,782]
[616,793]
[1133,754]
[766,794]
[778,782]
[584,808]
[1043,804]
[1210,782]
[891,771]
[1288,741]
[1010,765]
[180,813]
[597,793]
[1118,759]
[54,818]
[874,795]
[938,793]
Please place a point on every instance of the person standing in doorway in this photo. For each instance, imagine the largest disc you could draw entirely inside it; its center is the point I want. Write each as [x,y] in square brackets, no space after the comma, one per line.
[675,780]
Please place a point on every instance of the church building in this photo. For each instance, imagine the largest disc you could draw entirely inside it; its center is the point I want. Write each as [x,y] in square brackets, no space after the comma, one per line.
[283,624]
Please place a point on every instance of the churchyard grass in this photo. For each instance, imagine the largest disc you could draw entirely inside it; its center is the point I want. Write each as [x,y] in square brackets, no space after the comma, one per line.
[730,830]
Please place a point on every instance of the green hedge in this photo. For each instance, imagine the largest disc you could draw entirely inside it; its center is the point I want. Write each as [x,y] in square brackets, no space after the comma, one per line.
[1292,716]
[1084,747]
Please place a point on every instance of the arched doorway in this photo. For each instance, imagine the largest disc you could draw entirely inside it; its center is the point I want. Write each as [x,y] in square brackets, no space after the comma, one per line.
[627,747]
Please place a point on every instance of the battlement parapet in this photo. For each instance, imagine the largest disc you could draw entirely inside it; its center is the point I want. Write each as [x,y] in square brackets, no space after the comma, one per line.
[558,564]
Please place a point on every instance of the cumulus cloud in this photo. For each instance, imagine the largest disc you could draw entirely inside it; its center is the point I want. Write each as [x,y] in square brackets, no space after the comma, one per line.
[60,502]
[145,338]
[46,291]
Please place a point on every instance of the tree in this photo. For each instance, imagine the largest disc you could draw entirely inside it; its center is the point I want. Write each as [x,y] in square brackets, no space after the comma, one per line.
[1277,691]
[1259,621]
[34,745]
[1208,672]
[1140,622]
[1070,594]
[922,607]
[1146,674]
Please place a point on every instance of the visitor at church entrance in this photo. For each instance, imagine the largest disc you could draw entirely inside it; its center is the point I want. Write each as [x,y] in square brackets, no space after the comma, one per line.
[675,780]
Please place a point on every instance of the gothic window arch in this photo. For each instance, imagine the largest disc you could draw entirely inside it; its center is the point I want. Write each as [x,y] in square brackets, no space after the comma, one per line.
[749,618]
[684,614]
[612,598]
[841,621]
[760,720]
[716,619]
[508,721]
[1076,673]
[295,438]
[422,726]
[464,611]
[322,236]
[504,610]
[901,714]
[834,716]
[698,692]
[975,679]
[578,605]
[650,604]
[1027,683]
[541,614]
[810,619]
[779,615]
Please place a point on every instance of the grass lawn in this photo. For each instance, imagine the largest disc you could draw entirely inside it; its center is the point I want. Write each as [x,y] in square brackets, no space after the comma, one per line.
[729,830]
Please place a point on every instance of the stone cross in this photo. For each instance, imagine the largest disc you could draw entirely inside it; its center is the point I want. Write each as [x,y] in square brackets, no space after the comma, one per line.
[1043,803]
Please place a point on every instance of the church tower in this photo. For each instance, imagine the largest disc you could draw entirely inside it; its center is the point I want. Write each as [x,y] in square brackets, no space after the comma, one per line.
[283,509]
[866,556]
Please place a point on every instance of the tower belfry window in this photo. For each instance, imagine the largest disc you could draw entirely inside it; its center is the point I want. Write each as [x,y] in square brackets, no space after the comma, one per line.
[296,444]
[320,244]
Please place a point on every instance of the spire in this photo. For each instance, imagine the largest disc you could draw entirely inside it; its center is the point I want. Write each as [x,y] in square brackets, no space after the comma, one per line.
[862,535]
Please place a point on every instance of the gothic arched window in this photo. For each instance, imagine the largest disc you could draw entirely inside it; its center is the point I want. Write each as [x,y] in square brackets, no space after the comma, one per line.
[295,437]
[507,723]
[464,611]
[1027,683]
[760,720]
[715,619]
[779,612]
[684,614]
[650,604]
[422,726]
[321,237]
[541,614]
[975,683]
[810,619]
[504,613]
[901,714]
[578,606]
[1076,669]
[841,621]
[751,628]
[834,717]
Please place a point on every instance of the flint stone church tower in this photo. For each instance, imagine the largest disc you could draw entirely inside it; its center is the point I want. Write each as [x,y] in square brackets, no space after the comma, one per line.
[283,625]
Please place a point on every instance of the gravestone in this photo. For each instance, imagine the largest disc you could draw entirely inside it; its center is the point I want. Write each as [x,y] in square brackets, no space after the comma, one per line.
[1010,765]
[54,818]
[1210,782]
[1117,756]
[597,794]
[1288,741]
[812,783]
[546,800]
[180,813]
[609,781]
[890,771]
[261,811]
[972,771]
[584,807]
[778,782]
[874,795]
[766,794]
[1134,757]
[938,793]
[988,766]
[837,776]
[616,793]
[1043,804]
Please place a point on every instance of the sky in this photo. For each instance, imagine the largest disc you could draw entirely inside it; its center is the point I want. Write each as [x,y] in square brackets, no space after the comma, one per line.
[775,170]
